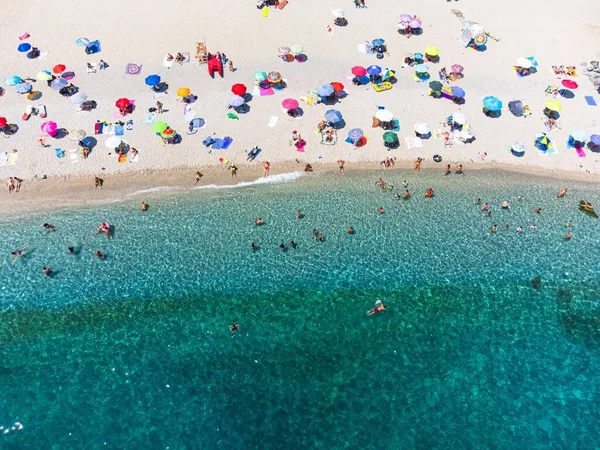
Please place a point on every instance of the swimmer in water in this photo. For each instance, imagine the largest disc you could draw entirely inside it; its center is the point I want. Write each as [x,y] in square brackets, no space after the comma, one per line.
[49,227]
[519,229]
[569,223]
[70,250]
[253,246]
[569,236]
[405,184]
[298,215]
[315,233]
[505,227]
[321,238]
[99,254]
[561,193]
[18,253]
[485,207]
[478,201]
[234,327]
[350,230]
[282,247]
[380,210]
[47,271]
[520,198]
[293,244]
[538,210]
[488,213]
[533,227]
[494,228]
[379,306]
[406,195]
[144,206]
[258,221]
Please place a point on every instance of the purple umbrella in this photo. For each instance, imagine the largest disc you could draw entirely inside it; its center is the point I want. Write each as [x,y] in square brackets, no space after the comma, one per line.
[416,23]
[595,139]
[68,75]
[458,92]
[405,18]
[355,134]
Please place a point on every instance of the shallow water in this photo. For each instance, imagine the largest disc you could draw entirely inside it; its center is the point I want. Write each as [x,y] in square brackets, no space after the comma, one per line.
[134,351]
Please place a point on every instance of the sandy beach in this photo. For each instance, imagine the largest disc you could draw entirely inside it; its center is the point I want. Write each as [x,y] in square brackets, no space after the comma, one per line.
[135,33]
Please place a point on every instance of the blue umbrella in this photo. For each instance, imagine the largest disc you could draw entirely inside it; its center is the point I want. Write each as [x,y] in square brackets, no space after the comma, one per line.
[325,90]
[333,116]
[23,88]
[362,80]
[355,134]
[492,103]
[24,47]
[12,80]
[422,68]
[516,107]
[595,139]
[458,92]
[152,80]
[58,84]
[373,70]
[377,42]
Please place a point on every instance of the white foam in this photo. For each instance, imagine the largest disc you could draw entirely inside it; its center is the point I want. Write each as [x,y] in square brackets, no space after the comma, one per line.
[275,179]
[156,189]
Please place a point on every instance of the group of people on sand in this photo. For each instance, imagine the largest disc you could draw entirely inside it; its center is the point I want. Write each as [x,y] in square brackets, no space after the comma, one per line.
[388,163]
[13,184]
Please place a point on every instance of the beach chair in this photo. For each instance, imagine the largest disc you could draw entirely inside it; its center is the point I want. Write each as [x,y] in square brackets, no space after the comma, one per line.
[201,53]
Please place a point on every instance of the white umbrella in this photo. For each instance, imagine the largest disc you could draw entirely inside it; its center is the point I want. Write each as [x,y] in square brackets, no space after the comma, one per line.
[296,49]
[237,101]
[459,118]
[112,142]
[77,135]
[78,98]
[339,13]
[384,115]
[524,62]
[518,146]
[422,128]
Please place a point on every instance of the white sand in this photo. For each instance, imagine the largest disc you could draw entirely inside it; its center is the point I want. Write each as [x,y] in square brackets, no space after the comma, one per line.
[142,32]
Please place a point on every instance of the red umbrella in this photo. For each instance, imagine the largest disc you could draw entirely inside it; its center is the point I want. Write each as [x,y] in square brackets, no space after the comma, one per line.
[238,89]
[290,103]
[3,121]
[59,68]
[359,71]
[337,87]
[569,84]
[122,103]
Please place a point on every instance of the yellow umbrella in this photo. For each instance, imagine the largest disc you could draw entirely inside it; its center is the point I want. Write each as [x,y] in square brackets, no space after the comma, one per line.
[44,75]
[432,51]
[553,105]
[183,92]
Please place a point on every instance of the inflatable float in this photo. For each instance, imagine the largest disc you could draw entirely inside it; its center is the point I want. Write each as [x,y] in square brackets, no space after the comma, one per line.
[587,208]
[214,65]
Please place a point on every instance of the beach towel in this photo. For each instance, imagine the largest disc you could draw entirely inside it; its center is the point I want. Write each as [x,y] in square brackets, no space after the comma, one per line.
[73,155]
[590,100]
[119,130]
[218,144]
[135,158]
[208,141]
[13,155]
[129,125]
[264,92]
[122,158]
[265,12]
[273,121]
[257,153]
[362,48]
[437,133]
[3,159]
[168,63]
[149,119]
[226,142]
[108,129]
[580,152]
[233,116]
[59,152]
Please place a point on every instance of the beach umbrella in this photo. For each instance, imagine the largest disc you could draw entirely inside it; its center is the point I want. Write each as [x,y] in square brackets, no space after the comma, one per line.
[152,80]
[594,138]
[390,137]
[542,142]
[237,101]
[274,77]
[78,98]
[418,56]
[524,62]
[565,93]
[325,90]
[122,103]
[403,24]
[260,76]
[492,103]
[68,75]
[553,105]
[579,136]
[388,74]
[459,118]
[287,58]
[405,18]
[432,51]
[422,128]
[296,49]
[339,13]
[516,107]
[77,134]
[290,103]
[421,68]
[112,142]
[569,84]
[337,86]
[517,149]
[12,80]
[359,71]
[58,83]
[378,42]
[436,86]
[283,50]
[333,115]
[355,134]
[49,128]
[301,58]
[23,88]
[59,68]
[159,127]
[3,122]
[458,92]
[385,115]
[43,75]
[480,39]
[168,133]
[238,89]
[24,47]
[415,23]
[373,70]
[457,68]
[183,92]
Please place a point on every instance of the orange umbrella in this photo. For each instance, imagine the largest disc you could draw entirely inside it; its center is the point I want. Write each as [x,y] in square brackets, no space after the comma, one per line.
[183,92]
[337,87]
[59,68]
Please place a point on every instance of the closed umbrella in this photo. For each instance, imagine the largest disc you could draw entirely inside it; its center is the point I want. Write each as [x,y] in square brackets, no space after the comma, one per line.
[359,71]
[333,116]
[457,68]
[459,118]
[290,103]
[421,68]
[436,86]
[112,142]
[385,115]
[569,84]
[390,137]
[12,80]
[516,107]
[44,75]
[183,92]
[524,62]
[77,134]
[58,83]
[325,90]
[432,51]
[152,80]
[458,92]
[422,128]
[355,134]
[238,89]
[492,103]
[78,98]
[260,76]
[23,88]
[337,86]
[24,47]
[274,77]
[237,101]
[296,49]
[59,68]
[553,105]
[159,127]
[49,128]
[339,13]
[373,70]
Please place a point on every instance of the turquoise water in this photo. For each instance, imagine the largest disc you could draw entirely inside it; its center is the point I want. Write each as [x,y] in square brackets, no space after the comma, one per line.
[134,351]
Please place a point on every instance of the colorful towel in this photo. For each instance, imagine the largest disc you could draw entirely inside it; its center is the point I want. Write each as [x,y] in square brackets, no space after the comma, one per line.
[233,116]
[590,100]
[129,125]
[123,158]
[580,152]
[226,142]
[149,119]
[268,91]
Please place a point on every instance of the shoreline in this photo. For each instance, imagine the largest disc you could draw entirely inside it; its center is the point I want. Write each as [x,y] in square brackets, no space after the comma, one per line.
[76,191]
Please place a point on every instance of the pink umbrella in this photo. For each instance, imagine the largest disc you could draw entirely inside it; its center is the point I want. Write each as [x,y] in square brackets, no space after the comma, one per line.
[457,68]
[569,84]
[416,23]
[290,103]
[50,128]
[359,71]
[405,18]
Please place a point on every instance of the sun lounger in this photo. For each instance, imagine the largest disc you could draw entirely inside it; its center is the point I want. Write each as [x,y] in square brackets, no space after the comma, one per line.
[168,63]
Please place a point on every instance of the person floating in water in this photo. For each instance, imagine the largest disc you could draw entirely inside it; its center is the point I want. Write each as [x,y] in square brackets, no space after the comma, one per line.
[144,206]
[379,306]
[562,193]
[569,236]
[253,246]
[18,253]
[380,210]
[99,254]
[350,230]
[293,244]
[258,222]
[70,250]
[282,247]
[234,327]
[47,271]
[104,227]
[49,227]
[298,215]
[494,228]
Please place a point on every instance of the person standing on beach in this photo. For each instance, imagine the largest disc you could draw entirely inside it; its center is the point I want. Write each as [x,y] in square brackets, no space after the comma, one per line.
[98,182]
[233,171]
[159,107]
[230,66]
[10,183]
[418,163]
[267,165]
[341,171]
[198,176]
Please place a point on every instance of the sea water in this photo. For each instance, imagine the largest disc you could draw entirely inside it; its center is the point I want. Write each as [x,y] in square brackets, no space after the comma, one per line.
[135,351]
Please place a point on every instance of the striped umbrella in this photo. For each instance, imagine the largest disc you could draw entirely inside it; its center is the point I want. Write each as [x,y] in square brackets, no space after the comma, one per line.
[355,134]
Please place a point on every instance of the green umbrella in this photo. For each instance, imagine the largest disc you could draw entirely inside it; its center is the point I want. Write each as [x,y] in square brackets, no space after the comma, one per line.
[260,76]
[159,127]
[436,86]
[389,137]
